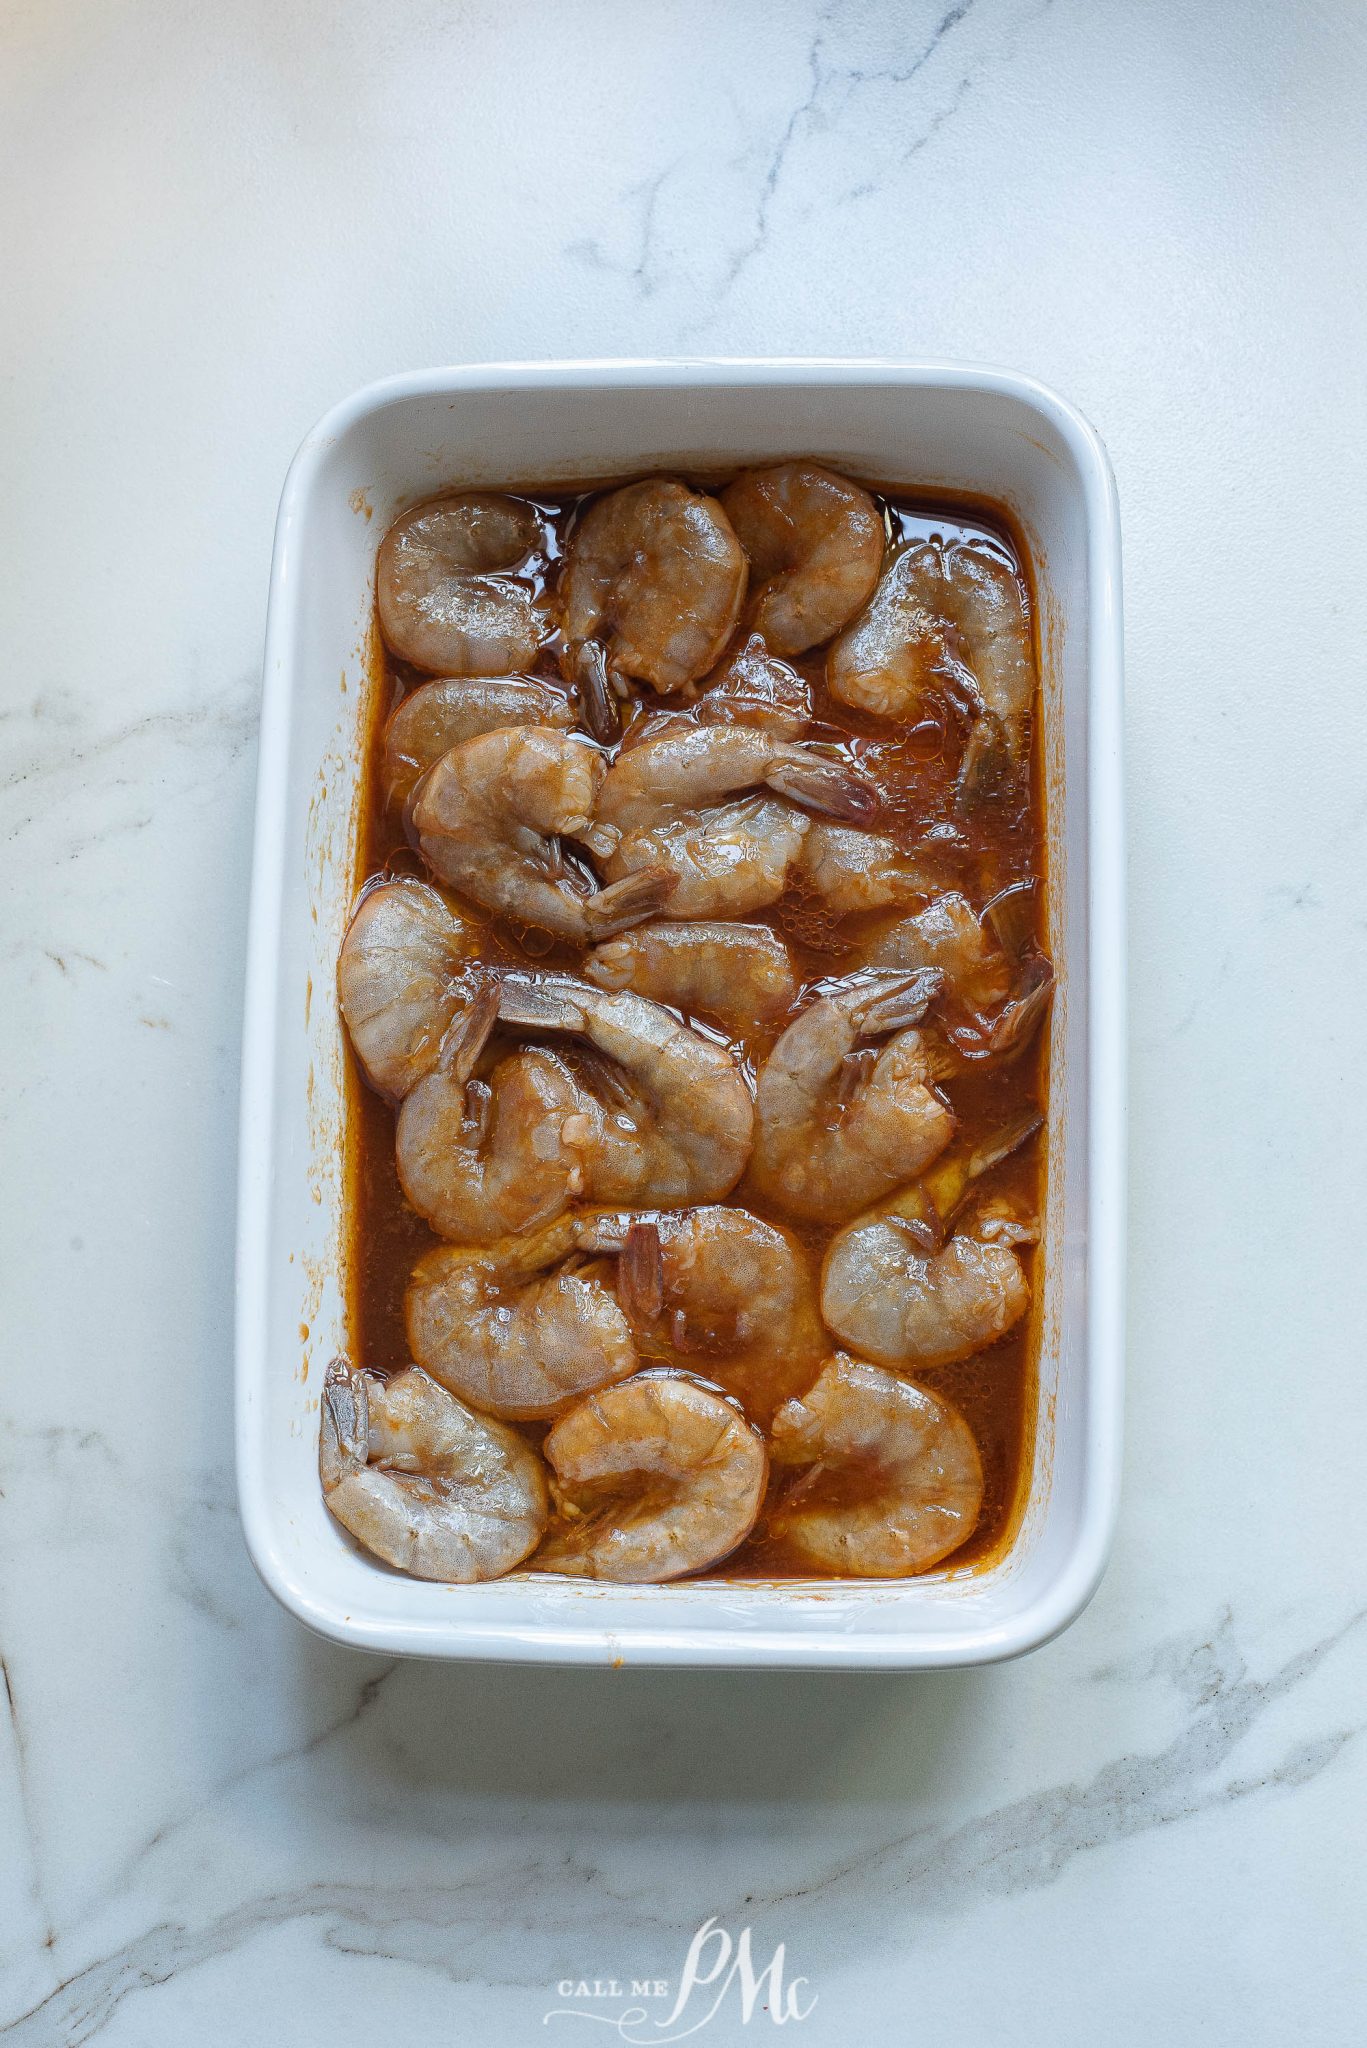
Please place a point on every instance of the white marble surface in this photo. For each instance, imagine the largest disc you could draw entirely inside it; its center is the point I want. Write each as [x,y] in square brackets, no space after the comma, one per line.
[217,220]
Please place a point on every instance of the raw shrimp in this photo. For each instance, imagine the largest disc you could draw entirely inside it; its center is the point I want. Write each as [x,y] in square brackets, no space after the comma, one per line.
[490,817]
[896,655]
[893,1483]
[947,935]
[978,973]
[454,708]
[423,1483]
[834,1132]
[815,541]
[481,1159]
[408,967]
[717,1292]
[519,1329]
[678,1121]
[655,577]
[662,806]
[928,1206]
[740,975]
[653,1478]
[893,1287]
[906,1307]
[755,688]
[852,870]
[441,605]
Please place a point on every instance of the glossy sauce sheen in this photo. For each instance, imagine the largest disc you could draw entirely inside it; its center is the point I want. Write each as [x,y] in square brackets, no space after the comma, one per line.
[995,1388]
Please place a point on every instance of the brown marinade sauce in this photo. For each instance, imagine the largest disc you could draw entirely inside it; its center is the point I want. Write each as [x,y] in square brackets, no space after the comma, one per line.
[996,1388]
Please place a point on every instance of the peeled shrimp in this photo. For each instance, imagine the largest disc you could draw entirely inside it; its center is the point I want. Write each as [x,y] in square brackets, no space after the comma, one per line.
[514,1329]
[454,708]
[947,935]
[893,1287]
[655,577]
[653,1478]
[906,1307]
[895,655]
[893,1482]
[834,1132]
[755,688]
[423,1483]
[662,807]
[717,1292]
[490,817]
[441,605]
[678,1120]
[407,968]
[980,976]
[928,1206]
[815,541]
[851,870]
[482,1159]
[739,975]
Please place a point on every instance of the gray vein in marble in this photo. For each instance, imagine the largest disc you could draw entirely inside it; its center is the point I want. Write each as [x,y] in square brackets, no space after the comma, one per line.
[645,271]
[1031,1841]
[21,1765]
[824,80]
[222,725]
[1015,1848]
[212,1502]
[366,1698]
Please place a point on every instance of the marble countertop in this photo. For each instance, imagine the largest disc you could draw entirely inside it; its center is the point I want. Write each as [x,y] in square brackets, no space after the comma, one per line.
[216,221]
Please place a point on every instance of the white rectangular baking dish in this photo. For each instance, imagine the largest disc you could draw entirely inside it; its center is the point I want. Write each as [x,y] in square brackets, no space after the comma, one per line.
[930,426]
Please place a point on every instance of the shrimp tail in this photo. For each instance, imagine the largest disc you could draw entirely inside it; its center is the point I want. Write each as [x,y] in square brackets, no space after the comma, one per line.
[588,669]
[1011,915]
[989,763]
[542,1005]
[468,1032]
[344,1441]
[640,1273]
[1019,1019]
[897,1001]
[1001,1143]
[631,901]
[834,787]
[1015,1024]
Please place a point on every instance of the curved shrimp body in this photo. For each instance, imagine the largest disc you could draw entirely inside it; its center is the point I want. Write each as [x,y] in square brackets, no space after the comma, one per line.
[442,605]
[407,967]
[832,1133]
[679,1121]
[815,542]
[884,1293]
[739,975]
[663,806]
[1002,1001]
[894,656]
[656,576]
[718,1292]
[852,870]
[423,1483]
[451,709]
[482,1159]
[490,817]
[755,688]
[947,935]
[513,1329]
[893,1483]
[654,1477]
